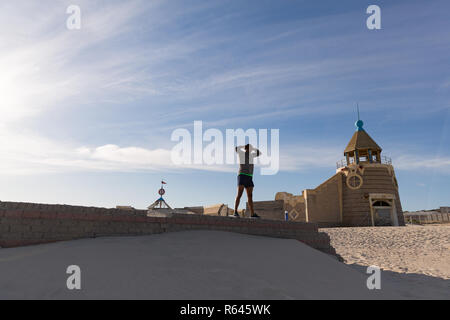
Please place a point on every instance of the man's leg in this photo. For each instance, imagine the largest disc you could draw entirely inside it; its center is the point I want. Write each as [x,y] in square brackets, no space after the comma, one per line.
[238,198]
[250,199]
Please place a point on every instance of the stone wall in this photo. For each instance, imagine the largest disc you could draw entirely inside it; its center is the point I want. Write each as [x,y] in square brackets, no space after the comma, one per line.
[334,203]
[29,223]
[273,210]
[323,204]
[294,205]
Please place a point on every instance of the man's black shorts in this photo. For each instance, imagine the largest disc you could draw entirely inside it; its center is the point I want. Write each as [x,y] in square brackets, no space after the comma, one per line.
[244,180]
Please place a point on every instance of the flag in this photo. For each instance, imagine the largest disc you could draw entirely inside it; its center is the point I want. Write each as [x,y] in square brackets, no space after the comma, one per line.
[162,182]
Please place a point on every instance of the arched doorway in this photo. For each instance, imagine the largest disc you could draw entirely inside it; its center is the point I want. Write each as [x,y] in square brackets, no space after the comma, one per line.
[383,211]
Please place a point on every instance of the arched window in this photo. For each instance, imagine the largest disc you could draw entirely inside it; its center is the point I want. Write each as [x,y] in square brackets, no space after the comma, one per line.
[380,203]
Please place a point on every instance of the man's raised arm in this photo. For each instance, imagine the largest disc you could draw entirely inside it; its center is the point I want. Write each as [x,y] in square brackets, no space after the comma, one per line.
[238,147]
[258,153]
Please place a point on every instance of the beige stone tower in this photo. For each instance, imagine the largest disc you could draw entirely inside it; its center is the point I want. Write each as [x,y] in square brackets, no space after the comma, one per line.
[363,192]
[370,190]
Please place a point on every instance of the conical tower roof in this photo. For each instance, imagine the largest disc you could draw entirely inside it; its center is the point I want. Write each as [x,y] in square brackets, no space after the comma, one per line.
[361,140]
[159,204]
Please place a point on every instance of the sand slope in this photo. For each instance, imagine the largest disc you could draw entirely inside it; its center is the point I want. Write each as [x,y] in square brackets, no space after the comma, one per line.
[412,249]
[189,265]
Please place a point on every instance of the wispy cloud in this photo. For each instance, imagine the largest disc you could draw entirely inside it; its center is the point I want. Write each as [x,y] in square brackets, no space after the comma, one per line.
[42,70]
[138,51]
[412,162]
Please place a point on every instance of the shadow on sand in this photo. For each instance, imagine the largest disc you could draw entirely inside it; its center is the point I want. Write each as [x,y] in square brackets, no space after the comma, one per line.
[412,285]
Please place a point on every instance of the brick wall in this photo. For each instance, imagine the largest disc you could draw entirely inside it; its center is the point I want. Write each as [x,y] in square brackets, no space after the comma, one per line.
[29,223]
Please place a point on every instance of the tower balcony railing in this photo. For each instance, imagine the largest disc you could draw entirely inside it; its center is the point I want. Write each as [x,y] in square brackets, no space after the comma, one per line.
[343,163]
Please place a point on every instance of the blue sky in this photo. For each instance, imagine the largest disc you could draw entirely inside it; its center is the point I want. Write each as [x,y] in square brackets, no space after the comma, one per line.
[87,114]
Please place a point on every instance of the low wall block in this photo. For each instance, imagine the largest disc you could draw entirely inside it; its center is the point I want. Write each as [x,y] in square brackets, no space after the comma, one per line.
[28,224]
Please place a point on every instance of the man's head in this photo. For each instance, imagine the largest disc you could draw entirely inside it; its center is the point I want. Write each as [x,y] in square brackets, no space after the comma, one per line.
[247,147]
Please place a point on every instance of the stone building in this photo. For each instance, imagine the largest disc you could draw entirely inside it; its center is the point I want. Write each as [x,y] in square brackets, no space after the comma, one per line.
[362,192]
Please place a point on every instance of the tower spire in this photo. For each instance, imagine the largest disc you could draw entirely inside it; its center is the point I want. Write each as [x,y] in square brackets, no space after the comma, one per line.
[359,124]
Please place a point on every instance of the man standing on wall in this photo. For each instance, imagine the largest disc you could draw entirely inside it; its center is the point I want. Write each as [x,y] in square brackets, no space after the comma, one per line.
[247,154]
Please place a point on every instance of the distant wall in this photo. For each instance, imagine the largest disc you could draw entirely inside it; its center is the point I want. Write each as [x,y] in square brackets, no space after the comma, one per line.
[444,209]
[198,209]
[29,223]
[273,210]
[213,210]
[216,210]
[426,217]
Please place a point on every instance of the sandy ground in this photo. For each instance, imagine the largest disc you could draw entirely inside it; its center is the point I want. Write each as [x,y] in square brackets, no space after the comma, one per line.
[423,250]
[192,265]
